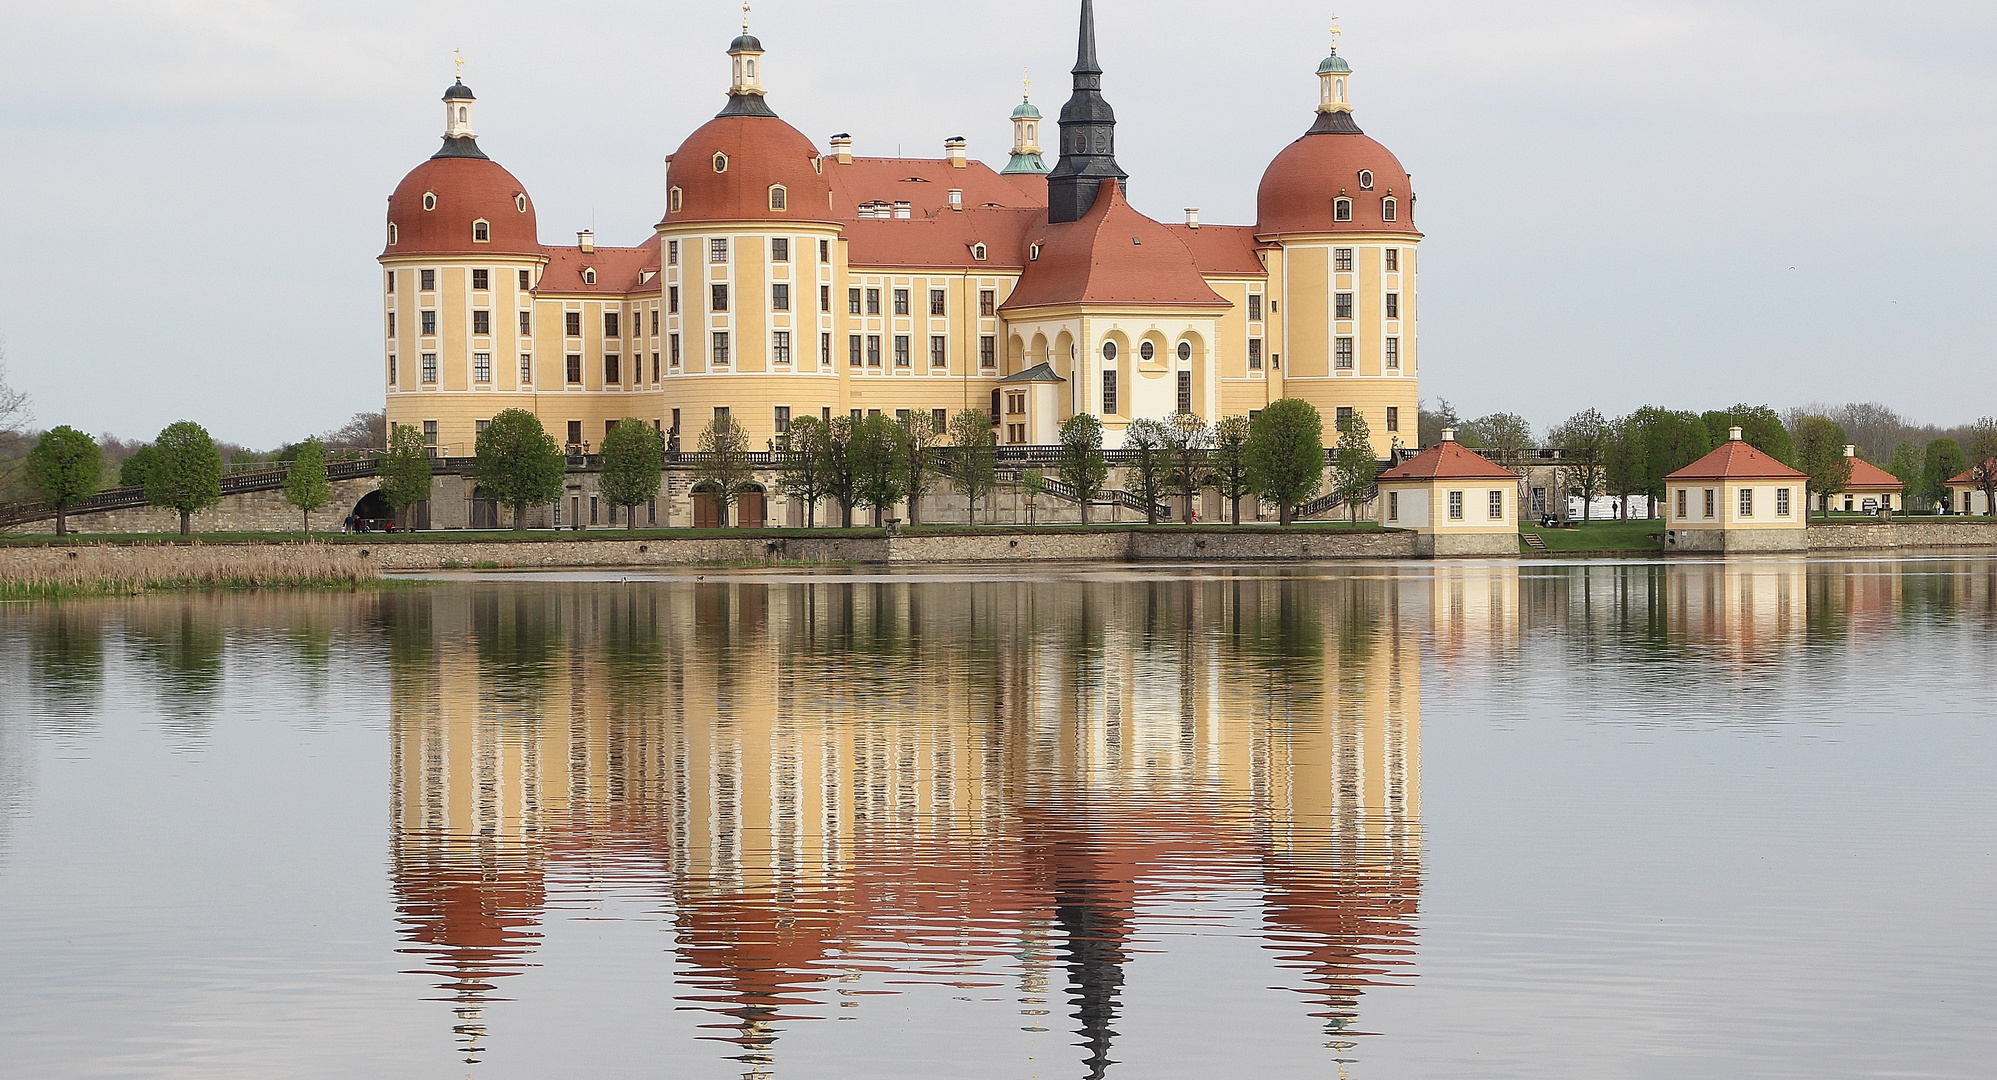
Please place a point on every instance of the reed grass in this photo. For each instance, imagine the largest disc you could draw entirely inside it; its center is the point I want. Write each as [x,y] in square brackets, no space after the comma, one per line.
[61,573]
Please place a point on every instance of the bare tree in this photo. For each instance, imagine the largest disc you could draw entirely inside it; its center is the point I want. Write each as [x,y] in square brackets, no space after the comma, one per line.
[15,410]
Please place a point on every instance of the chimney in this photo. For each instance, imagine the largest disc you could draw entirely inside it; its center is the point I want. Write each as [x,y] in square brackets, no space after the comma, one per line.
[956,198]
[1449,434]
[1192,217]
[954,150]
[903,210]
[1850,450]
[842,148]
[586,240]
[1733,434]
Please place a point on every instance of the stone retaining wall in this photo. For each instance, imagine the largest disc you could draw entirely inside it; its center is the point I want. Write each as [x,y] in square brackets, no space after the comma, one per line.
[1939,532]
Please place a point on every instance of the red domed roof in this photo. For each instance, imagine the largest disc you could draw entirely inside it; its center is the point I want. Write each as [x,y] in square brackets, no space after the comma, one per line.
[1301,185]
[762,152]
[467,190]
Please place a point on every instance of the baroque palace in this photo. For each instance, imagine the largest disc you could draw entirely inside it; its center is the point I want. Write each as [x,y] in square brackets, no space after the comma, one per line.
[785,281]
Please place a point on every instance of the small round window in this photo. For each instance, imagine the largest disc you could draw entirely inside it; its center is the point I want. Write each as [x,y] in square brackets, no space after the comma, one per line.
[720,162]
[1185,350]
[1109,350]
[520,203]
[1366,179]
[1146,350]
[429,200]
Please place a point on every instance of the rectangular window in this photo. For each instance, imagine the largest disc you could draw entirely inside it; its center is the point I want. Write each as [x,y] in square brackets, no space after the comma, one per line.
[1109,392]
[1342,351]
[526,280]
[391,282]
[1254,354]
[780,297]
[430,367]
[825,251]
[1341,259]
[936,302]
[672,253]
[481,280]
[1342,417]
[429,433]
[1781,502]
[1747,502]
[873,350]
[429,324]
[1393,506]
[655,319]
[1393,354]
[901,301]
[482,322]
[1343,306]
[526,323]
[573,323]
[873,301]
[1497,506]
[1185,391]
[825,350]
[1456,506]
[673,300]
[676,421]
[392,365]
[655,367]
[1393,305]
[782,420]
[721,348]
[610,328]
[780,346]
[1393,260]
[429,281]
[901,350]
[780,249]
[526,369]
[719,298]
[1254,307]
[575,369]
[391,324]
[852,301]
[987,303]
[941,418]
[853,351]
[1709,502]
[673,349]
[575,433]
[717,250]
[611,372]
[988,352]
[482,367]
[480,427]
[938,351]
[1682,493]
[825,299]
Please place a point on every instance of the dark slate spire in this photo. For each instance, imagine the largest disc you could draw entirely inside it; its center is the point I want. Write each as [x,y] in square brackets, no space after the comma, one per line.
[1088,135]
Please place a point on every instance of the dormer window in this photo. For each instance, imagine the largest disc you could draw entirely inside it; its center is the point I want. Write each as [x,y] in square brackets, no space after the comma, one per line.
[1389,209]
[779,197]
[394,234]
[1365,179]
[1341,210]
[481,232]
[520,202]
[720,162]
[977,251]
[1033,253]
[429,200]
[673,201]
[818,164]
[589,275]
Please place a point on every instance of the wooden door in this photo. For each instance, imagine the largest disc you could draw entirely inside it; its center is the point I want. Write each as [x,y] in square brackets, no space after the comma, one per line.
[706,510]
[749,510]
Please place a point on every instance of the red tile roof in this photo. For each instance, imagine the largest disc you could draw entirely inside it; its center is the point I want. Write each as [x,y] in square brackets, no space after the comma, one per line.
[925,184]
[1113,255]
[761,151]
[1865,475]
[945,239]
[1736,460]
[1224,250]
[618,270]
[467,190]
[1448,461]
[1301,184]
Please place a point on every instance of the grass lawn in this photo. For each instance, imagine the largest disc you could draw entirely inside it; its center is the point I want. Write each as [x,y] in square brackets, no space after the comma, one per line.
[1634,536]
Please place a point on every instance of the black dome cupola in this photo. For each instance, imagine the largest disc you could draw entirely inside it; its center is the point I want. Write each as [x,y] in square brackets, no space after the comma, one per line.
[1088,135]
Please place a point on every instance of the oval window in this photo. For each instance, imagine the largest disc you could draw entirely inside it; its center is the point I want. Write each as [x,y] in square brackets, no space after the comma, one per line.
[1185,350]
[1147,350]
[720,162]
[1365,179]
[1109,350]
[429,200]
[520,203]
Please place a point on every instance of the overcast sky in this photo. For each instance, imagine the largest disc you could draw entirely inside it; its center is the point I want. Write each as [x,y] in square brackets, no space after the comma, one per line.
[1681,202]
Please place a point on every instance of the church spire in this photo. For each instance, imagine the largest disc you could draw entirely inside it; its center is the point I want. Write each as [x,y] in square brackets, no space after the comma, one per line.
[1088,134]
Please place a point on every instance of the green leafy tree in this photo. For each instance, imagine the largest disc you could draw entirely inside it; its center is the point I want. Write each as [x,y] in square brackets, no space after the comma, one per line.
[724,461]
[1354,466]
[1148,444]
[1032,484]
[1943,462]
[1079,463]
[186,475]
[842,479]
[633,463]
[132,472]
[1228,463]
[519,464]
[64,468]
[974,458]
[802,464]
[1658,443]
[878,465]
[1504,433]
[404,471]
[920,454]
[1191,441]
[1983,459]
[1286,454]
[1820,444]
[1583,441]
[1906,468]
[1760,427]
[305,483]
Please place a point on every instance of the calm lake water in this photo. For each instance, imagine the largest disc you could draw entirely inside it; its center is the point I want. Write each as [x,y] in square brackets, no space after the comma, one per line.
[1479,820]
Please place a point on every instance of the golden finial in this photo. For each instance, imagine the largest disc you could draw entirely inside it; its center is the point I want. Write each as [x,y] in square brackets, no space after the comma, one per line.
[460,61]
[1336,33]
[1026,82]
[745,16]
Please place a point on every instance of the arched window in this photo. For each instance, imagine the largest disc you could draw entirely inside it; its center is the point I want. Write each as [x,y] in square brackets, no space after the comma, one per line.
[1033,253]
[1341,89]
[481,232]
[779,197]
[752,69]
[464,114]
[1365,179]
[394,234]
[1185,350]
[1341,210]
[720,162]
[673,201]
[520,202]
[1033,133]
[1146,351]
[589,275]
[429,200]
[1109,350]
[1389,209]
[978,252]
